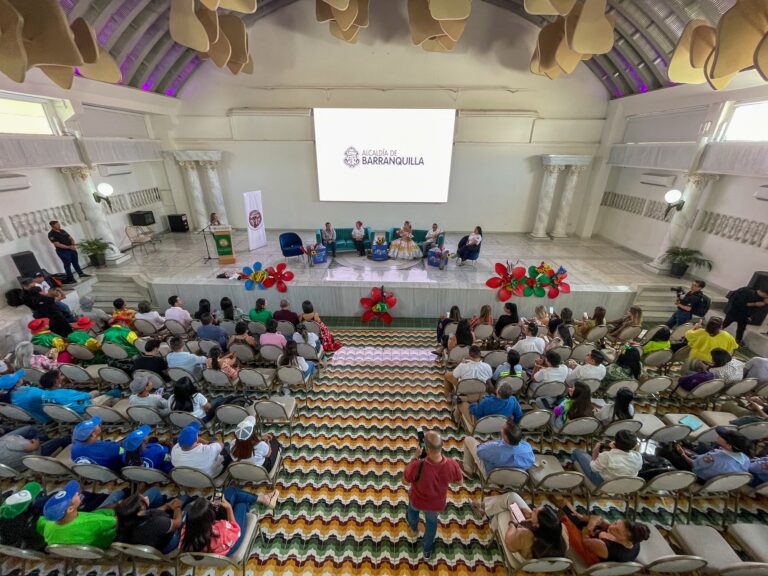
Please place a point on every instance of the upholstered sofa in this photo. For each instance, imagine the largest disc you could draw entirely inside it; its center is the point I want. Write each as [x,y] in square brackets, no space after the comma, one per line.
[344,242]
[419,236]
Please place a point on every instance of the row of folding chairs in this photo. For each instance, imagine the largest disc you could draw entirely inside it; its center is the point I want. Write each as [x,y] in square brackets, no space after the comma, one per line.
[176,328]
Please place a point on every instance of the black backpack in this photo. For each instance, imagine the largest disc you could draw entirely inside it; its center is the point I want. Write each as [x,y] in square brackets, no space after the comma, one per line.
[701,306]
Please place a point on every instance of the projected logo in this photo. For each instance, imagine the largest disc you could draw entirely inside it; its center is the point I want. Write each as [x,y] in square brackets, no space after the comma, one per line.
[351,157]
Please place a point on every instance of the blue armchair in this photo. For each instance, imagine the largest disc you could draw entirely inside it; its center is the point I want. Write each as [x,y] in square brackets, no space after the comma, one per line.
[473,254]
[291,244]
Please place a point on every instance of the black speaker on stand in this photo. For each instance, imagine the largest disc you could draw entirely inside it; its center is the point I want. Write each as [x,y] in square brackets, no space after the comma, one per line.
[142,218]
[178,223]
[26,262]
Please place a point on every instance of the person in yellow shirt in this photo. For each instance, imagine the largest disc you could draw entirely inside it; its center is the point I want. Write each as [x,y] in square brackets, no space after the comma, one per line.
[703,340]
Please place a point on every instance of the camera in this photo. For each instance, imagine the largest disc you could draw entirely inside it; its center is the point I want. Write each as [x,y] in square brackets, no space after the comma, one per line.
[420,436]
[679,290]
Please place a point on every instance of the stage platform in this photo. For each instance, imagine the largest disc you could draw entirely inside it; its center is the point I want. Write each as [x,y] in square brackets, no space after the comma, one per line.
[600,273]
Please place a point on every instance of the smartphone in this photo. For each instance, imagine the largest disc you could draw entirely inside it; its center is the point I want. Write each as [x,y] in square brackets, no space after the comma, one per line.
[420,436]
[517,514]
[551,310]
[585,316]
[642,334]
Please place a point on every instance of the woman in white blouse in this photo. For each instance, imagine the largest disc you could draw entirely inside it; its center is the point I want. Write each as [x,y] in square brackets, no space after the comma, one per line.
[473,241]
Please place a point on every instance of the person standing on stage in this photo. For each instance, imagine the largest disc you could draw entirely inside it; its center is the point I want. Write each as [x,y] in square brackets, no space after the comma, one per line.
[66,250]
[358,237]
[214,220]
[328,236]
[741,305]
[431,239]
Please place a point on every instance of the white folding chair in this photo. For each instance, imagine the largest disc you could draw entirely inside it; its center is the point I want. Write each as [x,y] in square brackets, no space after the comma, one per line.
[515,382]
[670,483]
[658,557]
[231,415]
[115,415]
[703,391]
[580,352]
[471,389]
[138,475]
[504,479]
[144,554]
[596,334]
[611,429]
[535,423]
[144,327]
[546,389]
[494,358]
[244,353]
[217,380]
[549,477]
[511,332]
[207,345]
[16,414]
[313,327]
[256,328]
[310,353]
[79,352]
[154,377]
[277,410]
[657,359]
[483,331]
[293,378]
[619,488]
[181,419]
[528,359]
[613,389]
[249,473]
[114,376]
[679,332]
[653,387]
[32,375]
[564,352]
[145,415]
[723,486]
[487,425]
[176,374]
[705,542]
[229,326]
[740,388]
[285,328]
[176,328]
[270,353]
[95,474]
[456,355]
[260,380]
[579,429]
[628,334]
[187,477]
[112,350]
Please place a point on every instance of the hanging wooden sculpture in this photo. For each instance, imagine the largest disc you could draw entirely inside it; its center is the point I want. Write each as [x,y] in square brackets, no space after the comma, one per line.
[344,17]
[437,25]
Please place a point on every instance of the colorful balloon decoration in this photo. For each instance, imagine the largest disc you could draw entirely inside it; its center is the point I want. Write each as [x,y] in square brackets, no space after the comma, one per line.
[378,305]
[542,280]
[255,276]
[278,277]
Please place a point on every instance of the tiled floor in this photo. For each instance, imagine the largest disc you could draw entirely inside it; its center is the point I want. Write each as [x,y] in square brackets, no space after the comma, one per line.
[592,262]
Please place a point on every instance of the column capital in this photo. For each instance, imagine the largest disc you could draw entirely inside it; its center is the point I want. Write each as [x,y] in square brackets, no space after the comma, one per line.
[554,168]
[698,179]
[197,155]
[82,172]
[566,159]
[212,164]
[577,169]
[188,164]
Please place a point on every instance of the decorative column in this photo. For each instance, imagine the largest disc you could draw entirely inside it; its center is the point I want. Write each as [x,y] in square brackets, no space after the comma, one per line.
[571,180]
[94,213]
[682,219]
[210,169]
[195,192]
[552,170]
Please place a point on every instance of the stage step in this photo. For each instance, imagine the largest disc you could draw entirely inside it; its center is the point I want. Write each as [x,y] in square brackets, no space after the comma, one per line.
[658,301]
[111,286]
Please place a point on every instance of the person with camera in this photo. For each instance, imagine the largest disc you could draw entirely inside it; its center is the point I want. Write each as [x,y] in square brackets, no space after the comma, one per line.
[611,460]
[429,475]
[692,303]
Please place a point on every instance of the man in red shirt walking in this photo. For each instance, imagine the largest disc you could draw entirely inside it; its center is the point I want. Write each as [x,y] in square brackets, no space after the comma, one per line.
[429,474]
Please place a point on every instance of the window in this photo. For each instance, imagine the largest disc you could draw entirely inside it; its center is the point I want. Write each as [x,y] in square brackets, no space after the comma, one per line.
[748,123]
[19,116]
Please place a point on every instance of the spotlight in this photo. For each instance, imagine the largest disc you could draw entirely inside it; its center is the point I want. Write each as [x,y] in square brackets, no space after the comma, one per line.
[674,199]
[105,189]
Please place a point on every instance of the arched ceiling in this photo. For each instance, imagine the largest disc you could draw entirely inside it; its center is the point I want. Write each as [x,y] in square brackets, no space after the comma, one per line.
[136,34]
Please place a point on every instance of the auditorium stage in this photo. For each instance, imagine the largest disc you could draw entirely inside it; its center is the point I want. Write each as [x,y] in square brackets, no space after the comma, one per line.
[600,273]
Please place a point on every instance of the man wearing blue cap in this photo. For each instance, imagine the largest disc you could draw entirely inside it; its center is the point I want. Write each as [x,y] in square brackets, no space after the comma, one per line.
[141,450]
[89,448]
[190,451]
[8,383]
[62,523]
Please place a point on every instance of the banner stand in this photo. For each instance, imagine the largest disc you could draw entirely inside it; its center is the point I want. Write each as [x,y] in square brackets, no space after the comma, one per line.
[254,214]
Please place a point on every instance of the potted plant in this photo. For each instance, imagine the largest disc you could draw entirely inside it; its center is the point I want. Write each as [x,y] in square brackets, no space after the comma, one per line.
[682,258]
[96,250]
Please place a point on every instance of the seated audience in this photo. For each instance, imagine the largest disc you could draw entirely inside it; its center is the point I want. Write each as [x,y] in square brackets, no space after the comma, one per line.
[121,310]
[218,528]
[44,307]
[453,317]
[508,316]
[25,396]
[177,313]
[96,315]
[309,315]
[43,337]
[757,368]
[272,336]
[139,449]
[540,535]
[152,316]
[285,313]
[241,336]
[52,383]
[502,403]
[592,369]
[27,441]
[659,341]
[191,452]
[203,308]
[119,333]
[633,317]
[485,317]
[180,358]
[540,317]
[260,313]
[725,367]
[81,336]
[565,318]
[584,326]
[462,337]
[141,525]
[89,448]
[290,357]
[151,359]
[626,367]
[596,540]
[730,455]
[142,395]
[549,368]
[8,383]
[472,367]
[227,363]
[228,311]
[703,340]
[510,451]
[25,357]
[511,367]
[209,331]
[577,403]
[698,373]
[304,336]
[250,448]
[186,398]
[618,458]
[620,409]
[532,342]
[19,515]
[758,467]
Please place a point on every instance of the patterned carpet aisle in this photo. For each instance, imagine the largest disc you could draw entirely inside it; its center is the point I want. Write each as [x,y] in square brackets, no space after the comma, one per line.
[343,502]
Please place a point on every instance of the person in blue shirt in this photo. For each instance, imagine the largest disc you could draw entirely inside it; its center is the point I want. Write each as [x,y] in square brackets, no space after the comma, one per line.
[730,456]
[178,358]
[89,448]
[758,467]
[511,367]
[502,403]
[510,451]
[28,398]
[209,331]
[53,393]
[142,450]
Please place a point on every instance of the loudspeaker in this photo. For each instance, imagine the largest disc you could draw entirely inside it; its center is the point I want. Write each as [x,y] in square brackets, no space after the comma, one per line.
[759,281]
[26,262]
[142,218]
[178,223]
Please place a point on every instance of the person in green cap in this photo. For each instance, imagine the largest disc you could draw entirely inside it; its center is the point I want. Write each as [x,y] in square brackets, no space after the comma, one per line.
[19,514]
[81,336]
[119,333]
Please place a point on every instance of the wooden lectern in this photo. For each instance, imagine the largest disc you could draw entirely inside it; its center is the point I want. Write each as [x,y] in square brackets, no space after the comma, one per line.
[222,238]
